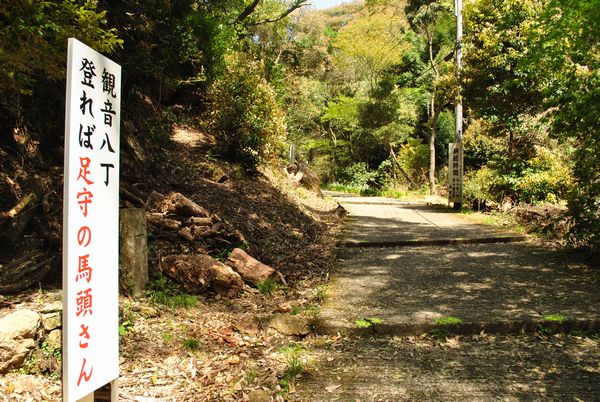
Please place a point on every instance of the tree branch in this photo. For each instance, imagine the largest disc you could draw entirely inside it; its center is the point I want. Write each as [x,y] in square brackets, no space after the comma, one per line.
[247,11]
[295,5]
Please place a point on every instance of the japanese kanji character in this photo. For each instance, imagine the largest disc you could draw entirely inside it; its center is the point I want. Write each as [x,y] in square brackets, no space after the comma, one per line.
[88,72]
[84,271]
[84,136]
[108,166]
[84,235]
[83,375]
[84,165]
[85,101]
[106,142]
[108,113]
[83,199]
[84,302]
[108,83]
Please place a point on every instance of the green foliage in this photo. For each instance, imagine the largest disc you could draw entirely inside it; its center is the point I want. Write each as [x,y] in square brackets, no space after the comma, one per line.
[245,115]
[369,45]
[33,38]
[555,318]
[127,318]
[357,176]
[294,366]
[310,309]
[532,168]
[163,291]
[342,113]
[528,56]
[414,158]
[367,322]
[267,287]
[321,293]
[544,330]
[439,333]
[497,83]
[362,323]
[480,184]
[566,45]
[45,360]
[191,344]
[448,321]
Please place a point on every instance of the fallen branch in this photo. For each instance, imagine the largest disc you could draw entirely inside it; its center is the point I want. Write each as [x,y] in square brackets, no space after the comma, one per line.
[160,221]
[252,270]
[20,274]
[19,208]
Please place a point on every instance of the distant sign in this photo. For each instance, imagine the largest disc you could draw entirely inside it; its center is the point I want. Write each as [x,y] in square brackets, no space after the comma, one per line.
[91,222]
[455,173]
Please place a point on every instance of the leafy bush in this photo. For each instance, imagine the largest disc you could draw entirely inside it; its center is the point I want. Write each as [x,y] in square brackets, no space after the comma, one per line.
[414,158]
[479,184]
[357,175]
[548,178]
[245,115]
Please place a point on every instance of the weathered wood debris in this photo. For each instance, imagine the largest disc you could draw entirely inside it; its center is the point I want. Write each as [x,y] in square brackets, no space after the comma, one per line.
[173,216]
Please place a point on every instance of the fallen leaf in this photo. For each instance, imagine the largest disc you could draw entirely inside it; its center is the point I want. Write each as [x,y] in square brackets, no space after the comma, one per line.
[233,360]
[332,388]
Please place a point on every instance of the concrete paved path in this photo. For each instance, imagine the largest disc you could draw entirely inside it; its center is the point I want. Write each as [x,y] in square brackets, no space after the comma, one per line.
[400,296]
[378,221]
[492,286]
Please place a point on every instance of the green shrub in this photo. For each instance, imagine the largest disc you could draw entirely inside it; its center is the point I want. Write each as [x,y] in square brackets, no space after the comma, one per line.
[479,184]
[548,178]
[244,113]
[414,159]
[267,287]
[165,292]
[357,175]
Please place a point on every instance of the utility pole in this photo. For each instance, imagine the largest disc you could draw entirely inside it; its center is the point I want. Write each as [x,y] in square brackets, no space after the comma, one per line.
[455,166]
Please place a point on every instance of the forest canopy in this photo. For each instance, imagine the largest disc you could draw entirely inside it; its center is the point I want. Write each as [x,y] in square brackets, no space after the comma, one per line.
[365,91]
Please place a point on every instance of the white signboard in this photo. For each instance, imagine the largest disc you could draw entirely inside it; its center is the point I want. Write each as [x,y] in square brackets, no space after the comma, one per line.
[91,222]
[455,173]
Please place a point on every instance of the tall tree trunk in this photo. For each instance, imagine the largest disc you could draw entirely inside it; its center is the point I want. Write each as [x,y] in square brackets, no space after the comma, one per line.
[434,116]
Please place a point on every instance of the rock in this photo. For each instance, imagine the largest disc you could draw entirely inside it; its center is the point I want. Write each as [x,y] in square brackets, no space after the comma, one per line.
[53,307]
[14,353]
[17,331]
[21,324]
[259,395]
[133,245]
[285,307]
[52,321]
[54,339]
[301,174]
[291,324]
[200,273]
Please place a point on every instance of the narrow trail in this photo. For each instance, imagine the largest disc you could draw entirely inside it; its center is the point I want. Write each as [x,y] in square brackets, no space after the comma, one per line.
[429,318]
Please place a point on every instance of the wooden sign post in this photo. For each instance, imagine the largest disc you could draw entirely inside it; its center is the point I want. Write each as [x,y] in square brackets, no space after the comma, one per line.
[91,223]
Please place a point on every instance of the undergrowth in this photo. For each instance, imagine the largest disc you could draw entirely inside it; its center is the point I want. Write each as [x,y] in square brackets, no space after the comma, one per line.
[165,292]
